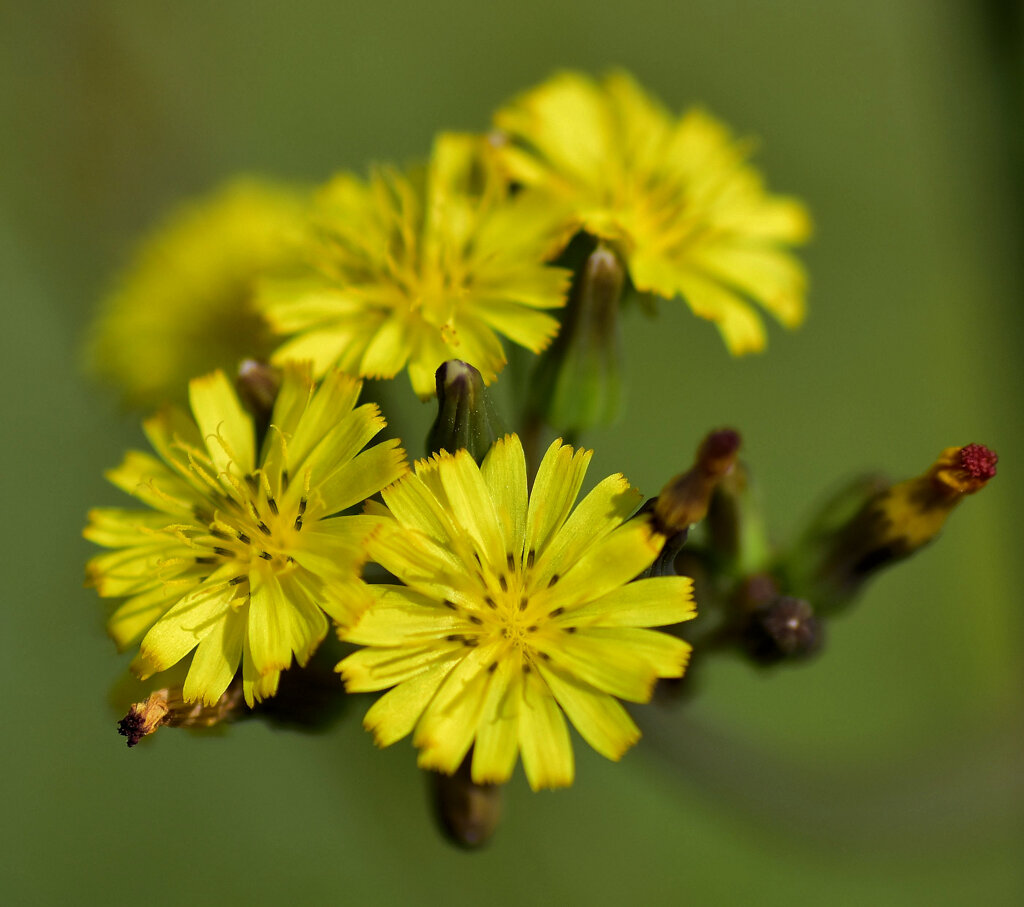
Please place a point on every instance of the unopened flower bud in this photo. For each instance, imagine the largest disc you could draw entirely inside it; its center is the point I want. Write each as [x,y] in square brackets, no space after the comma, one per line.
[736,535]
[831,563]
[466,418]
[785,629]
[467,812]
[577,382]
[258,384]
[685,499]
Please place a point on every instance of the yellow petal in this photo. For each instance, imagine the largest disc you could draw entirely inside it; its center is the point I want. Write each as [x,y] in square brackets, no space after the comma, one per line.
[652,602]
[225,426]
[446,729]
[469,498]
[543,737]
[379,668]
[497,738]
[185,625]
[613,561]
[600,718]
[600,512]
[268,633]
[504,473]
[395,714]
[216,660]
[400,616]
[555,488]
[136,615]
[363,476]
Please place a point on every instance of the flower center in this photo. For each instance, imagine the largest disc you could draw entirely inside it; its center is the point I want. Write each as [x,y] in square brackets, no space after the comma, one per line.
[254,532]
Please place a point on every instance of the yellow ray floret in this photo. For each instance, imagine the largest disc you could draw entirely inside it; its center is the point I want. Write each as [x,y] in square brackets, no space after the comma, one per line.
[413,269]
[674,196]
[184,305]
[517,612]
[242,557]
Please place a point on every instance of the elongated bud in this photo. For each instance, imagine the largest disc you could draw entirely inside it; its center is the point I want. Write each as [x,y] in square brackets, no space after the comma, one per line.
[167,708]
[466,418]
[833,561]
[467,812]
[685,499]
[577,382]
[736,533]
[257,384]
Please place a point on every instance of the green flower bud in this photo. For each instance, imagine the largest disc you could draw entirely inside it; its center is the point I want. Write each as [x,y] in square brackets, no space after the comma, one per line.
[466,418]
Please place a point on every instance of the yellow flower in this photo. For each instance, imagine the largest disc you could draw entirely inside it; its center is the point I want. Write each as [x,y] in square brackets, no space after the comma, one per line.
[514,614]
[239,558]
[184,306]
[416,269]
[674,196]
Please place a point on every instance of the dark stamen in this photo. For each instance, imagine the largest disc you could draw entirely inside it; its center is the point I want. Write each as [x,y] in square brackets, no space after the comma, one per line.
[452,605]
[489,602]
[206,560]
[531,557]
[218,534]
[223,552]
[265,556]
[473,619]
[492,667]
[302,506]
[556,612]
[284,479]
[243,538]
[554,579]
[272,504]
[298,523]
[254,486]
[511,561]
[523,602]
[235,580]
[503,581]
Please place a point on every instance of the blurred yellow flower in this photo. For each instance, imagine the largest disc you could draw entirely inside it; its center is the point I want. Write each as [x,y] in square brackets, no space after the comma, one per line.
[514,615]
[419,268]
[184,305]
[674,197]
[239,558]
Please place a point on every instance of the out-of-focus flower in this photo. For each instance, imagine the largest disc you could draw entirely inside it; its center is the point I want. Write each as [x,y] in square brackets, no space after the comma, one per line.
[517,612]
[413,269]
[241,555]
[675,197]
[184,305]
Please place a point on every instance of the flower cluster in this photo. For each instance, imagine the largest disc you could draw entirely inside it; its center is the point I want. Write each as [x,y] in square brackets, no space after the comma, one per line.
[499,606]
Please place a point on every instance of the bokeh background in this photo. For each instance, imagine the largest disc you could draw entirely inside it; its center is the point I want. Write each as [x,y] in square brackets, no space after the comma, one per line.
[887,772]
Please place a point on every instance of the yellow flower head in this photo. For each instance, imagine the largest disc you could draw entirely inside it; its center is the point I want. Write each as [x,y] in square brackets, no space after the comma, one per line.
[416,269]
[674,196]
[240,557]
[184,307]
[515,614]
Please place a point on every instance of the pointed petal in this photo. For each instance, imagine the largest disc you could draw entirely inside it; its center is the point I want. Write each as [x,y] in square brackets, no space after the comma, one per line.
[600,718]
[395,714]
[504,473]
[225,426]
[543,737]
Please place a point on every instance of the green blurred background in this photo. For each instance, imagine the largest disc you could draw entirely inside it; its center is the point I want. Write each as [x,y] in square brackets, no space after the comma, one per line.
[887,772]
